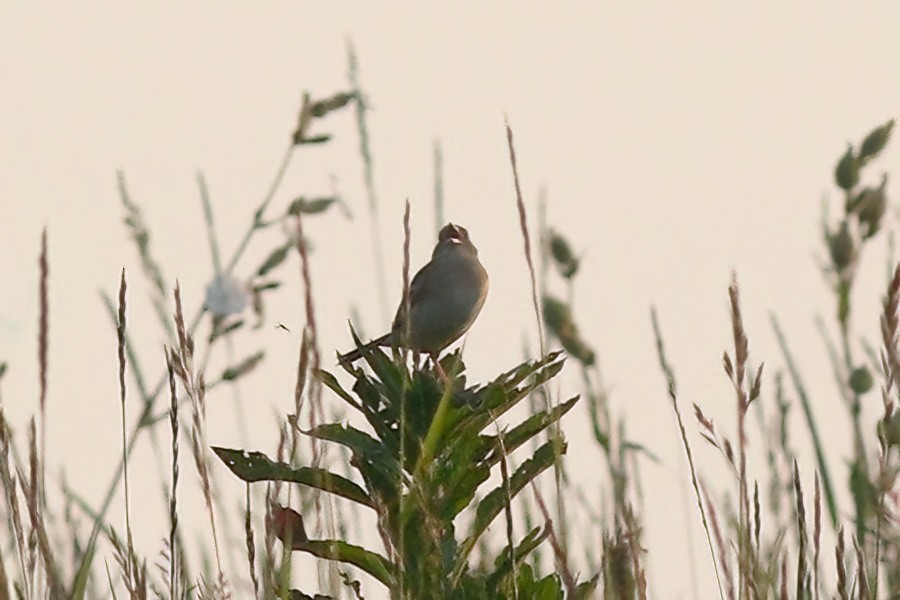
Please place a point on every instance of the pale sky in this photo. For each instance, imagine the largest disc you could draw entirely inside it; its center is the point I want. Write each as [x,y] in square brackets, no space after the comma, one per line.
[676,143]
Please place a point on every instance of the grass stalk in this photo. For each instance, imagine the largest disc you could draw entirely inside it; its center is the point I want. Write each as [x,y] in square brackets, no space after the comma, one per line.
[369,179]
[673,396]
[810,419]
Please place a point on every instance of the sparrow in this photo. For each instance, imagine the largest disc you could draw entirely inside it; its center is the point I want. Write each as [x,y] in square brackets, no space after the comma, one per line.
[445,297]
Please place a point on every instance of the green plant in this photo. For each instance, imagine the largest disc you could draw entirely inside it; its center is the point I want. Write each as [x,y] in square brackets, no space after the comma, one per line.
[420,466]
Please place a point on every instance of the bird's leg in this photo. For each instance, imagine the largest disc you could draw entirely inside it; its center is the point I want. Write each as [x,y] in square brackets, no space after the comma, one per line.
[439,371]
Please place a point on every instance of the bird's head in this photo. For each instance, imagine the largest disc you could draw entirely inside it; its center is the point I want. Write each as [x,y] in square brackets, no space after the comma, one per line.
[452,235]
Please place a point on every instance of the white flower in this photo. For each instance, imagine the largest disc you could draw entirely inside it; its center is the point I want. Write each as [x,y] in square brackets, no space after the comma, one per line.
[225,296]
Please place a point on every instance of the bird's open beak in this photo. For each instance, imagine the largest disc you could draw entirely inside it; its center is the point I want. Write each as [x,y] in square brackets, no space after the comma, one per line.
[455,234]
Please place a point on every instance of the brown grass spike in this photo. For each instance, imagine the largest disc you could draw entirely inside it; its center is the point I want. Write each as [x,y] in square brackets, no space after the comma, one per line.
[120,336]
[43,349]
[251,544]
[315,414]
[862,581]
[523,223]
[741,354]
[802,533]
[839,564]
[173,500]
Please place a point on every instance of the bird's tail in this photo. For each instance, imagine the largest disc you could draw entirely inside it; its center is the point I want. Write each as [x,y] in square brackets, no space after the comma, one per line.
[357,353]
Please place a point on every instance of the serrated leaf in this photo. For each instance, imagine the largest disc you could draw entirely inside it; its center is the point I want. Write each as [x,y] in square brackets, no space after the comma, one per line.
[332,383]
[359,442]
[494,502]
[372,563]
[256,466]
[503,394]
[526,546]
[520,434]
[470,459]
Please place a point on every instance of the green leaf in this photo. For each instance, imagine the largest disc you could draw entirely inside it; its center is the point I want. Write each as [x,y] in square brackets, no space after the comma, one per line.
[310,206]
[242,368]
[275,258]
[392,375]
[256,466]
[640,448]
[316,139]
[527,545]
[562,254]
[459,473]
[533,425]
[79,586]
[547,588]
[320,108]
[220,328]
[875,141]
[806,404]
[504,393]
[586,589]
[468,461]
[331,383]
[372,563]
[266,285]
[846,173]
[370,453]
[493,504]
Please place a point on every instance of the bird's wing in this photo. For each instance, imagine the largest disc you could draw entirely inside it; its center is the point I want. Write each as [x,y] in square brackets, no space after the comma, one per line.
[416,292]
[417,287]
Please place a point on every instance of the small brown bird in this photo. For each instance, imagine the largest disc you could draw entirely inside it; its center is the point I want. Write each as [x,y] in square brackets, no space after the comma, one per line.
[445,297]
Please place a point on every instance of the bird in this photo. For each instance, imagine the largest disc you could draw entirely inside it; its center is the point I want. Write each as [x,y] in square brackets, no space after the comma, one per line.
[445,297]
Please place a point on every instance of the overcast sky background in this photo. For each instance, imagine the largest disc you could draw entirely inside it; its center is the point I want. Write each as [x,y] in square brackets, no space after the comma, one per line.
[676,143]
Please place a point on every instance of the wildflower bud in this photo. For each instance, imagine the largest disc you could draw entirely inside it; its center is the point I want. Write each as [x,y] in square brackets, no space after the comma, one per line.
[891,430]
[875,141]
[557,316]
[860,380]
[566,261]
[846,174]
[558,319]
[870,206]
[840,245]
